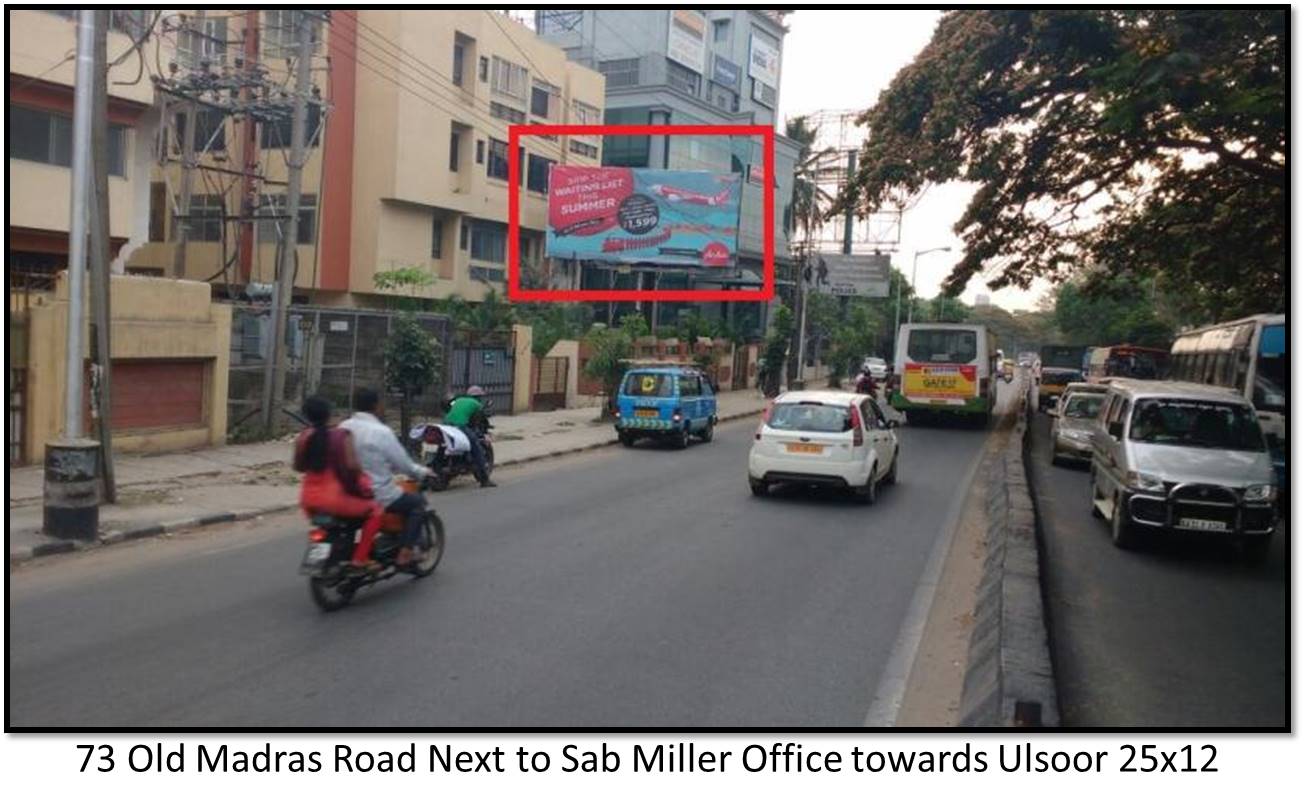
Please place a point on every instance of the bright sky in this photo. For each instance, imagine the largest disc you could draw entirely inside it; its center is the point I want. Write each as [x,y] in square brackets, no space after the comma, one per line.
[836,59]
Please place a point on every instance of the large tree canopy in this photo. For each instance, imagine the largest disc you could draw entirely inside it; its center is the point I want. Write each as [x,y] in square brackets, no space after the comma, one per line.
[1149,141]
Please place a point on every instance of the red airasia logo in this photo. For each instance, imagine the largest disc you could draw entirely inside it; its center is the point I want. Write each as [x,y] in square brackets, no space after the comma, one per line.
[715,254]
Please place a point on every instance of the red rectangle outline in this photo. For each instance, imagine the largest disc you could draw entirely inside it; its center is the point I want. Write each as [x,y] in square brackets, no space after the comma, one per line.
[518,295]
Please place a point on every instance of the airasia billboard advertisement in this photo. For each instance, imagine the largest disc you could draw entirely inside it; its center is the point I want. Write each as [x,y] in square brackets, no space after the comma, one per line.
[643,216]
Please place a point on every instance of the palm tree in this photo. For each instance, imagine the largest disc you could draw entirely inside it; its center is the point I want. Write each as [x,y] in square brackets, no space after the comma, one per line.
[810,203]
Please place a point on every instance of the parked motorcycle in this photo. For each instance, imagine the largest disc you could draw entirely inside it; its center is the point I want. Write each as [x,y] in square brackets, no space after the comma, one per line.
[333,581]
[446,450]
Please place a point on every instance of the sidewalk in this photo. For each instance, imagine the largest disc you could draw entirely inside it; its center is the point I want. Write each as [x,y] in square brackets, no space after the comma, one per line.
[169,492]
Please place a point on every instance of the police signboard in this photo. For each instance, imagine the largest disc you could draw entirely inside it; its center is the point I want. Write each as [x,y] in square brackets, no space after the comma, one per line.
[850,275]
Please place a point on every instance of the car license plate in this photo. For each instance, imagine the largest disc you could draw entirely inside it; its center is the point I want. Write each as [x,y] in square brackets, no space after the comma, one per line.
[646,413]
[805,448]
[1202,524]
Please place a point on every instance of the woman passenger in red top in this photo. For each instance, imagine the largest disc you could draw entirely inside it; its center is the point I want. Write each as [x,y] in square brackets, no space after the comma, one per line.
[333,482]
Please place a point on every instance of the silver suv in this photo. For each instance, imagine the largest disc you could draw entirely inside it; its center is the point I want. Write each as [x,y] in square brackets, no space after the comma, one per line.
[1183,457]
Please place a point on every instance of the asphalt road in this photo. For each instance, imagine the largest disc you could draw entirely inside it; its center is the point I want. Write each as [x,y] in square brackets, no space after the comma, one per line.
[620,587]
[1181,633]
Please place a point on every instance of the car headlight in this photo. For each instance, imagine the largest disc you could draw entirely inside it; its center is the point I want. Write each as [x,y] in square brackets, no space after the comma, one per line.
[1262,492]
[1077,434]
[1141,481]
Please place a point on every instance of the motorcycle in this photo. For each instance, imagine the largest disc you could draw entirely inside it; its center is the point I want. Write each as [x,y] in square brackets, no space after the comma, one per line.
[446,450]
[333,581]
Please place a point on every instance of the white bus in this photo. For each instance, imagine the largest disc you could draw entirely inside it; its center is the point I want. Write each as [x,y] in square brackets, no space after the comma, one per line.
[1248,356]
[945,369]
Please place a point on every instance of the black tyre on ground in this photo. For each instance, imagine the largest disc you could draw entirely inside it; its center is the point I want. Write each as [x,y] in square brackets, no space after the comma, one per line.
[330,589]
[759,488]
[1254,549]
[708,433]
[626,439]
[1121,529]
[680,439]
[891,477]
[868,493]
[432,544]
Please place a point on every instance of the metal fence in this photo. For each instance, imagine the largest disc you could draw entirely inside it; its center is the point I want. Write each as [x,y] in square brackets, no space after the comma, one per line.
[486,359]
[331,352]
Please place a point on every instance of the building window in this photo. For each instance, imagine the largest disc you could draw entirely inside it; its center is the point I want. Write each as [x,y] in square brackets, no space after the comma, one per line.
[479,152]
[280,34]
[626,150]
[586,114]
[720,30]
[46,137]
[537,176]
[269,230]
[584,149]
[464,238]
[459,55]
[206,211]
[487,274]
[723,98]
[488,242]
[203,41]
[520,165]
[210,130]
[278,134]
[484,68]
[437,238]
[509,78]
[497,166]
[506,113]
[454,146]
[620,72]
[542,99]
[683,79]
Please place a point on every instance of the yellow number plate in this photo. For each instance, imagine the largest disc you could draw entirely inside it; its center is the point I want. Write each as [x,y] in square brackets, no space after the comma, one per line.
[644,413]
[805,448]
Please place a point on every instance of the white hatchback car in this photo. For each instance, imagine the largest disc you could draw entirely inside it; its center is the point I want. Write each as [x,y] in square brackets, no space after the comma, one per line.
[826,438]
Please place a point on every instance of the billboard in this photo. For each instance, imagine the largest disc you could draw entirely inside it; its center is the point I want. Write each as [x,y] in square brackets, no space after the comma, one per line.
[763,62]
[687,40]
[643,216]
[850,275]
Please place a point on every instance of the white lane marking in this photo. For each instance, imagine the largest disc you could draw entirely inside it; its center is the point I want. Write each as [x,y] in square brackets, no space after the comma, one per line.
[892,682]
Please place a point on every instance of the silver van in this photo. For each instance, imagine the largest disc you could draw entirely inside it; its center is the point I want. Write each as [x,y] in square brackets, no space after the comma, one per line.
[1182,457]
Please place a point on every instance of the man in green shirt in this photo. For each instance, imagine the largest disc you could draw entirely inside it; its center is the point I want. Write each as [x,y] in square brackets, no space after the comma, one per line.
[462,413]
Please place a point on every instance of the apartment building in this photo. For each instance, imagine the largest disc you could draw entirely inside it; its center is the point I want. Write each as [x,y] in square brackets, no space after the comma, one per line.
[679,66]
[407,158]
[41,76]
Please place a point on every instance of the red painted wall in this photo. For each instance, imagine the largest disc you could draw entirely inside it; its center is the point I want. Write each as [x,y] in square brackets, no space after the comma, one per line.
[336,238]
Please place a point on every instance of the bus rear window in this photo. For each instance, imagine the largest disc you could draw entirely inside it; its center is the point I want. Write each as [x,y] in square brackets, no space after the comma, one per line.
[942,345]
[659,385]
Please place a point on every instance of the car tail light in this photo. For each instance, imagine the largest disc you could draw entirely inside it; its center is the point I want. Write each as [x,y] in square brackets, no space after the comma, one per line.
[765,416]
[317,534]
[678,416]
[857,431]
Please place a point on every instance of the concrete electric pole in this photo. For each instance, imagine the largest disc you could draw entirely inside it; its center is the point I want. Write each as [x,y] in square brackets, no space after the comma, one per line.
[100,349]
[71,505]
[187,168]
[274,376]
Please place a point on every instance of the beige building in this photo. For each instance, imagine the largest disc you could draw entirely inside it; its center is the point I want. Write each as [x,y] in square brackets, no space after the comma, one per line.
[41,73]
[408,161]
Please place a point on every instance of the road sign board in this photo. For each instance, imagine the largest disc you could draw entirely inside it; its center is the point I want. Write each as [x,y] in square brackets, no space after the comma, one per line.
[851,275]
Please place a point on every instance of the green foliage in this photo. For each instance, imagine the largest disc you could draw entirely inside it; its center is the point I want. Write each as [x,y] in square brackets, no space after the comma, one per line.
[1113,311]
[552,322]
[409,284]
[634,326]
[1151,141]
[413,359]
[1017,331]
[609,346]
[809,202]
[775,350]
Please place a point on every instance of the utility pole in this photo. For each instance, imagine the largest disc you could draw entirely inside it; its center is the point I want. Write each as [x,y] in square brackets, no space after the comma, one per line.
[850,219]
[101,354]
[274,377]
[71,505]
[187,165]
[249,149]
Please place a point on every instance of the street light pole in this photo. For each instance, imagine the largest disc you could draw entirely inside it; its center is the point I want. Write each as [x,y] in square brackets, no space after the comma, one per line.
[914,270]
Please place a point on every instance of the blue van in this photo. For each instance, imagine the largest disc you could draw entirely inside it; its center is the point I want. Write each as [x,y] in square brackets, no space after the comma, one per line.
[666,402]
